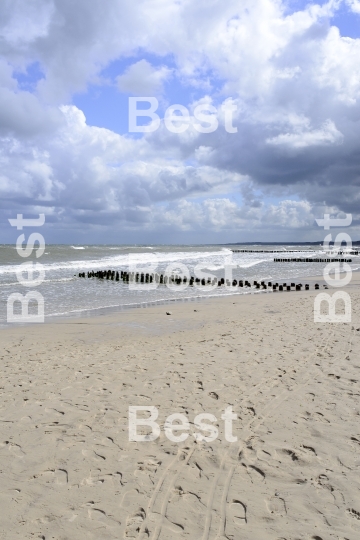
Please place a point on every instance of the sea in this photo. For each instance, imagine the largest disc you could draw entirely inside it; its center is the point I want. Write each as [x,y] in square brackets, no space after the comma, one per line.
[67,295]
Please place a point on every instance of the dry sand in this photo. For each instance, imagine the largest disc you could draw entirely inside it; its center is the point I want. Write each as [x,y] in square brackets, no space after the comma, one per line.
[68,470]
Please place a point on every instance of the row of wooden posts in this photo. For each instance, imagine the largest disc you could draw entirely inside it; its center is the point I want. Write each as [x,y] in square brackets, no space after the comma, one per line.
[267,251]
[282,251]
[126,277]
[313,260]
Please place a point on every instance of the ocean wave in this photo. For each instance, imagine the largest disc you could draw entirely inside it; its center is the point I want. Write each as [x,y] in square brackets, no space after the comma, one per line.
[123,261]
[214,267]
[59,280]
[141,261]
[253,263]
[210,260]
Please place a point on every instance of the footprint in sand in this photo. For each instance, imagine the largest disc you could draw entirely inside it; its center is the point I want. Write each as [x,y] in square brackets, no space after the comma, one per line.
[16,450]
[353,513]
[61,477]
[321,417]
[235,519]
[276,506]
[287,452]
[54,476]
[256,474]
[93,480]
[96,514]
[149,466]
[133,523]
[94,455]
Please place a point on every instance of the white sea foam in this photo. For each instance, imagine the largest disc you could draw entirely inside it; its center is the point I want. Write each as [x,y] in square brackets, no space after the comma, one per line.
[65,294]
[213,260]
[122,261]
[253,263]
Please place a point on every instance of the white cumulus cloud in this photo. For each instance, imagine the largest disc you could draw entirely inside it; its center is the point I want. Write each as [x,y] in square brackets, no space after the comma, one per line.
[327,134]
[143,79]
[294,78]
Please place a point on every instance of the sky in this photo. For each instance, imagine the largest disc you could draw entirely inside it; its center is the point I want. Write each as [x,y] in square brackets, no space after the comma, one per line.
[269,141]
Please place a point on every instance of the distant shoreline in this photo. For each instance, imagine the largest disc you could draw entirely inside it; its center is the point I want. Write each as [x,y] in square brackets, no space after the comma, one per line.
[223,244]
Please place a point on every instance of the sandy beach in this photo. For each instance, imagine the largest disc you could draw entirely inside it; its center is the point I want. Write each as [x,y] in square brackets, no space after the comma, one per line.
[180,204]
[69,471]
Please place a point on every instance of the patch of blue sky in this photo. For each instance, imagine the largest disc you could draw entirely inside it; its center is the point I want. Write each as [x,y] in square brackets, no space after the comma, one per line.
[346,21]
[292,6]
[104,105]
[28,79]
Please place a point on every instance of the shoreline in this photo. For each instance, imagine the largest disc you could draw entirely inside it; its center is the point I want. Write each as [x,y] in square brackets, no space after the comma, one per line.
[123,308]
